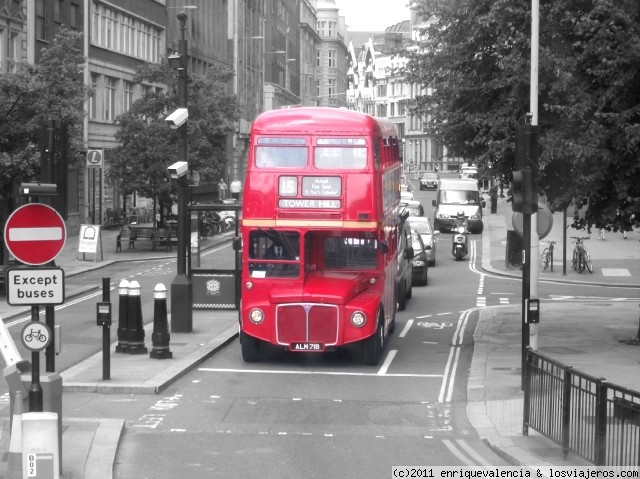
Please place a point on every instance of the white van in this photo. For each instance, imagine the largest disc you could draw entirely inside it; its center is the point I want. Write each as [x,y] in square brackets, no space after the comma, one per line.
[458,195]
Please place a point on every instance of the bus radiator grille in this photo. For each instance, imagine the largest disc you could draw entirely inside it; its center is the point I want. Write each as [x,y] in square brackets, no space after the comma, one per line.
[305,322]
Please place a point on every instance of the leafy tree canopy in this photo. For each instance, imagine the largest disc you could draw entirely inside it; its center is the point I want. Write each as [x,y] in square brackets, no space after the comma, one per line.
[30,94]
[474,59]
[148,146]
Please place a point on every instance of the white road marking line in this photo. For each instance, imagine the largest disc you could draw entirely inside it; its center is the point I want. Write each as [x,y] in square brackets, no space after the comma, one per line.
[456,452]
[474,455]
[406,328]
[317,373]
[387,362]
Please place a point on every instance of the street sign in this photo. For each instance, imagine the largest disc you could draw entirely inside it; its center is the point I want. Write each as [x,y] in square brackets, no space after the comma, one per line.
[35,336]
[35,234]
[544,221]
[95,158]
[35,286]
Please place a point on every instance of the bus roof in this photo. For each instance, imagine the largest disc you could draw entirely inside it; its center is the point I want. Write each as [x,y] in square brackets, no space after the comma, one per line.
[321,121]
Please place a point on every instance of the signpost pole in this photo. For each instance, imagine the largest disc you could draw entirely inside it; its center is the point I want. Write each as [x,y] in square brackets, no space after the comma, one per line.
[35,390]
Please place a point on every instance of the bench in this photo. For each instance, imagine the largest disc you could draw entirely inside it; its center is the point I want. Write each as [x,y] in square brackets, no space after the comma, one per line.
[156,236]
[165,236]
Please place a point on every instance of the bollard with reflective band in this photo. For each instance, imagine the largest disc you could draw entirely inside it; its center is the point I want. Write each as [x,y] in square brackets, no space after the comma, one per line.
[123,313]
[135,336]
[160,337]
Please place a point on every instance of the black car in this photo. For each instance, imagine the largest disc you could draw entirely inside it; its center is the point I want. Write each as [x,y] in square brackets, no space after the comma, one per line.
[404,278]
[420,262]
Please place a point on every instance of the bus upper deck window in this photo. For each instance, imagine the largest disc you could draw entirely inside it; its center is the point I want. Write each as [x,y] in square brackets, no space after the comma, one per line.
[347,153]
[280,152]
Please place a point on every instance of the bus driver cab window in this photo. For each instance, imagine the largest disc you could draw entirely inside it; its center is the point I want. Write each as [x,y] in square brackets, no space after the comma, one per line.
[274,254]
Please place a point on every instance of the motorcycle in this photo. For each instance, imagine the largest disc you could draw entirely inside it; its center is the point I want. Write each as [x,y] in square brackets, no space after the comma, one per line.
[209,224]
[459,242]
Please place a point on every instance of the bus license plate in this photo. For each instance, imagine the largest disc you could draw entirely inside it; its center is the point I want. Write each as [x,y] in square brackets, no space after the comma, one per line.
[307,346]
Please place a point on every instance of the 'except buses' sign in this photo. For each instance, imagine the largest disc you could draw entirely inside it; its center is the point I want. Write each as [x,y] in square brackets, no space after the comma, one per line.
[304,203]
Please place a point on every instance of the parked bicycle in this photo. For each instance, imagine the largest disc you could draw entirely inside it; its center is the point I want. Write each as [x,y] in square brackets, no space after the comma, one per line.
[581,259]
[547,256]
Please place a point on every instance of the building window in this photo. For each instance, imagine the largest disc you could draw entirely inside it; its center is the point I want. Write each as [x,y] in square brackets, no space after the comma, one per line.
[57,11]
[331,30]
[125,34]
[318,58]
[73,16]
[331,55]
[93,100]
[109,99]
[127,95]
[41,20]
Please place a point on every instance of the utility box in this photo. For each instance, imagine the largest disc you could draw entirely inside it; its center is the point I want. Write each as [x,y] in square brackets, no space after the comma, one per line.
[40,445]
[51,383]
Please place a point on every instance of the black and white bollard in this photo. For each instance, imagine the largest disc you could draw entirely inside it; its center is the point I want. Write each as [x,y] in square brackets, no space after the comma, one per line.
[123,313]
[135,336]
[160,337]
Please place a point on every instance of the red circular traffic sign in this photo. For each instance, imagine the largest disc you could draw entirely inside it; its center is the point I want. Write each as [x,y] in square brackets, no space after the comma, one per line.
[35,234]
[544,221]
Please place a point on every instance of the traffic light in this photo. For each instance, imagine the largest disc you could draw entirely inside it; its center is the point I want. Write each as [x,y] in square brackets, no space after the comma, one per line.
[527,148]
[525,184]
[524,196]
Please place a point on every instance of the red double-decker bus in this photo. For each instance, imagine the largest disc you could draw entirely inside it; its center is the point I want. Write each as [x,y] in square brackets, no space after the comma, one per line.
[320,224]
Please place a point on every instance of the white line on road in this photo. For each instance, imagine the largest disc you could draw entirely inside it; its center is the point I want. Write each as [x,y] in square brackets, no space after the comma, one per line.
[316,373]
[406,329]
[387,362]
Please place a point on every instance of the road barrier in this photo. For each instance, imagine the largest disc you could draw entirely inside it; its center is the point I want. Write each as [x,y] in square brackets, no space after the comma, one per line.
[587,416]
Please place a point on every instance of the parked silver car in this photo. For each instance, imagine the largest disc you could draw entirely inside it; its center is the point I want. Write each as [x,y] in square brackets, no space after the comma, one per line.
[422,226]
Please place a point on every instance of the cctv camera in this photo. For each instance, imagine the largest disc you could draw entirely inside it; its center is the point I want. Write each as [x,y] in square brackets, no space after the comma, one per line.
[178,169]
[177,118]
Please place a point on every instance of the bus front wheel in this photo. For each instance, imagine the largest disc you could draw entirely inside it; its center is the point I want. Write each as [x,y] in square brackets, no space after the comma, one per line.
[372,346]
[250,348]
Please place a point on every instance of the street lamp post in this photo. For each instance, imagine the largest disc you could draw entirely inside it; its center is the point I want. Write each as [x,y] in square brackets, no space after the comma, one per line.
[181,288]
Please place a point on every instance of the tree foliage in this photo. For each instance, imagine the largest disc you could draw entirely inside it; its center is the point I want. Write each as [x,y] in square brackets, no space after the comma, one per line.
[148,146]
[30,94]
[475,59]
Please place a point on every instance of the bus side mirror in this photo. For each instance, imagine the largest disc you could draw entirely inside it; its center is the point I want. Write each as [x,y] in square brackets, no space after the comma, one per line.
[237,243]
[384,247]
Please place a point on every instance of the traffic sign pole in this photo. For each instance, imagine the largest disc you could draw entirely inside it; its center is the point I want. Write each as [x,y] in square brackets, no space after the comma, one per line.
[35,390]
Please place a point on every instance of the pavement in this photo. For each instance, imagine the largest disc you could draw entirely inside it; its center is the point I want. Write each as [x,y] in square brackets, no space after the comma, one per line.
[598,330]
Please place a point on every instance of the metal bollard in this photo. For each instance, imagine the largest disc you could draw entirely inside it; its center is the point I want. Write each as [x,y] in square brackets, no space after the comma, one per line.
[160,337]
[135,335]
[123,313]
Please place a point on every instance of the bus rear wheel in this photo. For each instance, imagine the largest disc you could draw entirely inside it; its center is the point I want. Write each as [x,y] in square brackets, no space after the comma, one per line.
[251,348]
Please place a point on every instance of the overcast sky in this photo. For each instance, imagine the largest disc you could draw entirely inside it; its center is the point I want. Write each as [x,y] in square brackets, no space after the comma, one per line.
[363,15]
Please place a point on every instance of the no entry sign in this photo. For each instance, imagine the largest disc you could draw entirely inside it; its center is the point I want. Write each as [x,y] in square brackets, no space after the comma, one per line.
[35,234]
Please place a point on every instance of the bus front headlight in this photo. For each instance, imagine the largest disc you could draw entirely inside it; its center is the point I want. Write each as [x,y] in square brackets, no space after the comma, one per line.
[256,316]
[358,319]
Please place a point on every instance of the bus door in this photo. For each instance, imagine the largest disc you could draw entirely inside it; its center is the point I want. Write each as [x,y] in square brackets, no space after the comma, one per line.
[214,288]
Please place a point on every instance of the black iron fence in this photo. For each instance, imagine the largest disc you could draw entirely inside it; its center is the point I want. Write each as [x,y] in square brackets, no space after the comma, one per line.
[587,416]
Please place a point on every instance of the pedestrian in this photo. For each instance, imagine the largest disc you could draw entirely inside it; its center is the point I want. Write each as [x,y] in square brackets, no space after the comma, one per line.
[222,189]
[235,187]
[622,222]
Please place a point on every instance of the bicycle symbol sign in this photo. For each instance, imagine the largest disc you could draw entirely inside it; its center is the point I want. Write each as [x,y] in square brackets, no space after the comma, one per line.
[35,336]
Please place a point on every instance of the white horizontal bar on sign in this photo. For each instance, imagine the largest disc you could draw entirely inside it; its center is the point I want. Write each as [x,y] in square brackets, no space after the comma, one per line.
[35,234]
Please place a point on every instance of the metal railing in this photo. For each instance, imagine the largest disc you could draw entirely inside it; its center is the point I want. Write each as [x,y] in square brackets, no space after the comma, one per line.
[587,416]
